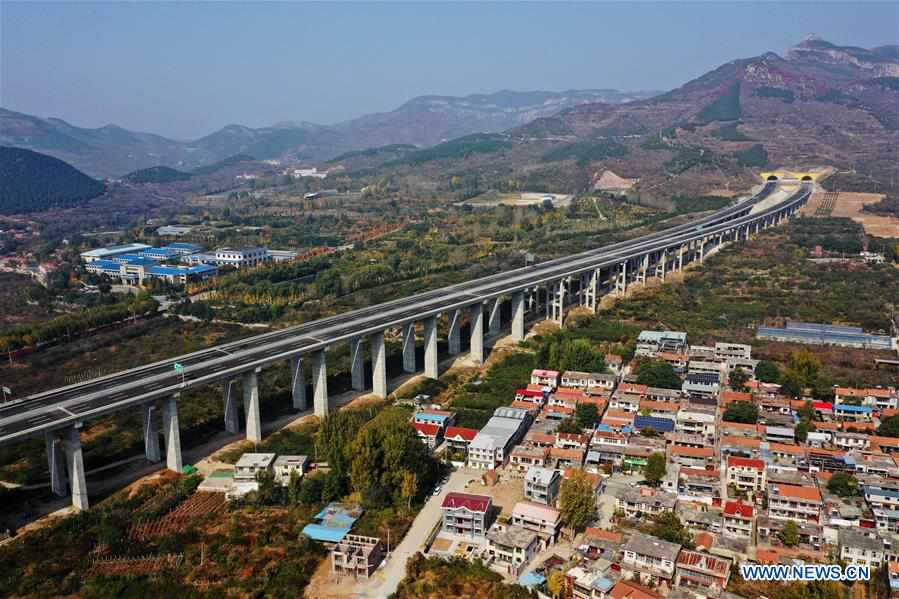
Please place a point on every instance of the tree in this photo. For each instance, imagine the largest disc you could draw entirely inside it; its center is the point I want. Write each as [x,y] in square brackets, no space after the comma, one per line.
[569,425]
[767,372]
[656,467]
[738,379]
[555,583]
[294,485]
[311,489]
[586,415]
[384,450]
[843,484]
[789,535]
[741,411]
[802,429]
[268,493]
[657,373]
[409,488]
[577,499]
[889,427]
[807,411]
[667,526]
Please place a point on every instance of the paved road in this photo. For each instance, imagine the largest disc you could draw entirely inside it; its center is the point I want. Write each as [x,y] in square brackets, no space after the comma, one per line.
[385,580]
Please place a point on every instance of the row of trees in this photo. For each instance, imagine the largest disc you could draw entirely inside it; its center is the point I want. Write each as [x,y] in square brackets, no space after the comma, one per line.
[561,353]
[75,324]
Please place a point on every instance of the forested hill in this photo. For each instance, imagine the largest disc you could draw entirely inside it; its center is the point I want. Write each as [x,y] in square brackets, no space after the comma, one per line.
[30,182]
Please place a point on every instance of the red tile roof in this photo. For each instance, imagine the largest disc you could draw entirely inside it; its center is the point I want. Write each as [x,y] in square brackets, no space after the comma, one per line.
[473,503]
[713,564]
[428,430]
[704,540]
[599,534]
[796,492]
[738,508]
[745,462]
[625,589]
[467,434]
[693,452]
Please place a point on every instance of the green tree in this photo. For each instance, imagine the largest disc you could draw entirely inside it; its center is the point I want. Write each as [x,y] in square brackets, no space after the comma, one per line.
[807,411]
[577,499]
[802,429]
[311,489]
[580,354]
[843,484]
[294,485]
[789,535]
[268,493]
[586,415]
[384,450]
[738,379]
[569,425]
[656,467]
[889,427]
[767,372]
[657,373]
[667,526]
[741,411]
[409,488]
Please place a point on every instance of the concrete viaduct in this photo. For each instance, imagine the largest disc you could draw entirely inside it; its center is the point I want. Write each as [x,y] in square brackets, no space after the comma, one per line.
[546,288]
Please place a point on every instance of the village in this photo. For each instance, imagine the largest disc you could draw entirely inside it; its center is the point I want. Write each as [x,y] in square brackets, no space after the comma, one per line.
[684,486]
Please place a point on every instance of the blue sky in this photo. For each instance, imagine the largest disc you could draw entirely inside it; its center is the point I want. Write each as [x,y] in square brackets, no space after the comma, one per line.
[185,70]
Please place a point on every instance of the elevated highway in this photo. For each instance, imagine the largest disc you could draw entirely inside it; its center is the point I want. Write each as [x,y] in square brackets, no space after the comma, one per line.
[546,287]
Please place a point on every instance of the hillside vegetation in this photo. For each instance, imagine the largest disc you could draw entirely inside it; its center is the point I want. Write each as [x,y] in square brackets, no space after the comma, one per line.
[31,182]
[156,174]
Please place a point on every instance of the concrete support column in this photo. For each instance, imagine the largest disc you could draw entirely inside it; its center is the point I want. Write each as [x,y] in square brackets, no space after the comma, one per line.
[75,466]
[701,250]
[409,347]
[431,347]
[680,258]
[662,271]
[644,268]
[172,433]
[251,406]
[378,365]
[151,434]
[357,364]
[232,420]
[454,332]
[621,283]
[320,383]
[559,301]
[495,321]
[477,332]
[518,316]
[592,290]
[56,461]
[298,384]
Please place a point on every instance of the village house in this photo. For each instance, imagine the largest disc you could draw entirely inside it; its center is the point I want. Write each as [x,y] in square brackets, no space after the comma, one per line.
[747,474]
[706,573]
[511,548]
[649,560]
[545,378]
[739,519]
[642,500]
[541,485]
[466,514]
[544,520]
[794,502]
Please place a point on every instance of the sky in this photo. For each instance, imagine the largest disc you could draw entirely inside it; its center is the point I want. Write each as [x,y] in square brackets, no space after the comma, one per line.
[187,69]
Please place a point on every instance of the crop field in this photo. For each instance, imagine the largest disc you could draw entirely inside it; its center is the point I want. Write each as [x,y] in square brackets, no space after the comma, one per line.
[179,519]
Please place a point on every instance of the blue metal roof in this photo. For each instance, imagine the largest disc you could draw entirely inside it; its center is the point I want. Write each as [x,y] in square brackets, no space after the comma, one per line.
[328,534]
[440,418]
[845,407]
[663,425]
[135,260]
[180,245]
[105,264]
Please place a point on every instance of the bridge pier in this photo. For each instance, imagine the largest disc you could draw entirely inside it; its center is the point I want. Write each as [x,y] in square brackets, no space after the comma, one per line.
[662,267]
[75,466]
[409,347]
[357,364]
[379,365]
[251,405]
[621,281]
[495,321]
[320,383]
[172,433]
[298,384]
[151,434]
[454,332]
[56,460]
[518,316]
[477,332]
[559,302]
[232,420]
[431,367]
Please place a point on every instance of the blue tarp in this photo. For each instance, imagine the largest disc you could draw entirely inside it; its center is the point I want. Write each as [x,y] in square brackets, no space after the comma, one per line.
[328,534]
[845,407]
[531,579]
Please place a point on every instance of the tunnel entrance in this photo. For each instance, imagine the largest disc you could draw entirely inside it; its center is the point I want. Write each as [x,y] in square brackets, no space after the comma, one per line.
[772,177]
[807,178]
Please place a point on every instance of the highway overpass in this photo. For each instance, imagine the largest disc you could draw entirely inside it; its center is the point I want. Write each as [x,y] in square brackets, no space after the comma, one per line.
[548,287]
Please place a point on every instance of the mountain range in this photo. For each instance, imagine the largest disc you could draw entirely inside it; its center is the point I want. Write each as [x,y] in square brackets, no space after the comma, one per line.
[112,151]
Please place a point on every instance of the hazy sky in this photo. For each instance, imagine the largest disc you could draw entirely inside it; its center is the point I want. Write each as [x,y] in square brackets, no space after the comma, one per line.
[184,70]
